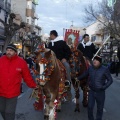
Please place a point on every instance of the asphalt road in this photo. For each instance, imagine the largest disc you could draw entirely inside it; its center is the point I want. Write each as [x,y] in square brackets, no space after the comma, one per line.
[25,110]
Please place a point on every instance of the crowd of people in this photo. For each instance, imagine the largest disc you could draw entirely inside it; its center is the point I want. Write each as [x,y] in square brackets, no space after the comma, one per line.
[14,68]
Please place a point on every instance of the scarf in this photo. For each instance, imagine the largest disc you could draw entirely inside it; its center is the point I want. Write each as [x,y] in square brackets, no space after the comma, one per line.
[87,44]
[56,39]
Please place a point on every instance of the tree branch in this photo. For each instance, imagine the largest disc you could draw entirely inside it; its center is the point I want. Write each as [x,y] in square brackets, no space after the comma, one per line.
[112,23]
[2,22]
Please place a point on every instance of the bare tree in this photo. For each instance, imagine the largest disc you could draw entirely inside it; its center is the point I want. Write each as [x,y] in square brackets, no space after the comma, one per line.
[10,29]
[110,21]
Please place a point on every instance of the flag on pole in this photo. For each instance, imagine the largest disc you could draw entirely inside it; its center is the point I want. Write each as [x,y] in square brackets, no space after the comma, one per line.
[72,37]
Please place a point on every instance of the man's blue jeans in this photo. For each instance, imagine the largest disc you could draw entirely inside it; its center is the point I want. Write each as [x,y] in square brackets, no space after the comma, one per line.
[99,98]
[67,66]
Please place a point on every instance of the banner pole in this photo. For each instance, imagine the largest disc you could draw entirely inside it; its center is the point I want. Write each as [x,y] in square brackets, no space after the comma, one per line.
[101,46]
[64,33]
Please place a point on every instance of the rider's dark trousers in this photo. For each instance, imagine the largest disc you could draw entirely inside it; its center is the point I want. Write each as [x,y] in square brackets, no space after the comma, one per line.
[99,98]
[8,107]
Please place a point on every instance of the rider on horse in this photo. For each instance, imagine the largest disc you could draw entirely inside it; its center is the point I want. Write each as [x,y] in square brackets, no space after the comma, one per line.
[87,48]
[61,49]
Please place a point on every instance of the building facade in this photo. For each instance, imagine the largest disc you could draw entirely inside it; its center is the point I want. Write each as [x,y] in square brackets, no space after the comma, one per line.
[26,9]
[95,31]
[5,9]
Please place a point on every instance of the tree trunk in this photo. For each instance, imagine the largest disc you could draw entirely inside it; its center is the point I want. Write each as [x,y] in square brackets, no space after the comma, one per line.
[7,41]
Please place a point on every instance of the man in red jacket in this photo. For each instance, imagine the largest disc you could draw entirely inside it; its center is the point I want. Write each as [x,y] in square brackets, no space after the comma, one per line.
[12,70]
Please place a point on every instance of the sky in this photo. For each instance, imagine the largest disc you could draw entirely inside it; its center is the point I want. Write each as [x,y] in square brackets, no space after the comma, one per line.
[59,14]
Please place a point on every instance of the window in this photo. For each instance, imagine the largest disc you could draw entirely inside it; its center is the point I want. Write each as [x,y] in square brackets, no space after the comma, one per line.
[27,20]
[93,38]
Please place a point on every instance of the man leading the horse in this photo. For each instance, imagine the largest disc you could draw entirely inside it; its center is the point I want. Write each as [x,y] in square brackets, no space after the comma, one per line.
[99,80]
[61,49]
[12,70]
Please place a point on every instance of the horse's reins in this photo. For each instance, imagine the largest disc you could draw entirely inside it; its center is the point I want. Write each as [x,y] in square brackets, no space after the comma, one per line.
[77,83]
[77,69]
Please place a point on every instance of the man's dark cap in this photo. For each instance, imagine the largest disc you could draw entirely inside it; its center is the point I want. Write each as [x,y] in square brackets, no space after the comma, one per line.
[11,46]
[98,58]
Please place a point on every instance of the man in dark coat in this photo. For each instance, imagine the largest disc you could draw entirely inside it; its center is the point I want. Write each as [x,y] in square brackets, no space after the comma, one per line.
[99,80]
[87,48]
[61,50]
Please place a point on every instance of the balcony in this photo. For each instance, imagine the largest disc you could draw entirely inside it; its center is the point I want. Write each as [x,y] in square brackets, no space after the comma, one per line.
[8,7]
[2,3]
[29,13]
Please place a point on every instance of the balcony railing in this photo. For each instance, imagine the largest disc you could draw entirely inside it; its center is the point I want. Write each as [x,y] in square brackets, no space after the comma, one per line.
[2,3]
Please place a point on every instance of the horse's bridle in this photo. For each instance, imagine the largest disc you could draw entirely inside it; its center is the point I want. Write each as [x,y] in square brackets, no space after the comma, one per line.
[76,61]
[48,68]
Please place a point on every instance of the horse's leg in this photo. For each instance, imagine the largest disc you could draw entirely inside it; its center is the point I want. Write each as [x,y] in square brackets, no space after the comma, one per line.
[52,106]
[77,95]
[85,96]
[58,108]
[47,102]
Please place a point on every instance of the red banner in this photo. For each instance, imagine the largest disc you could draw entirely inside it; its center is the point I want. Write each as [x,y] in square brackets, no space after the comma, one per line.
[72,37]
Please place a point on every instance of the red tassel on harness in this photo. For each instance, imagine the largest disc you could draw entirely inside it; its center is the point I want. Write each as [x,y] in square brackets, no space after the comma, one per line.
[38,105]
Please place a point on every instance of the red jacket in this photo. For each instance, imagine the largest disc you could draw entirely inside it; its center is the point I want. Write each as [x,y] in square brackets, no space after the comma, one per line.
[11,73]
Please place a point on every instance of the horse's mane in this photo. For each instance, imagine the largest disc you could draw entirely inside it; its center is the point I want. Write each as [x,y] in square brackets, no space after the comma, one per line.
[53,56]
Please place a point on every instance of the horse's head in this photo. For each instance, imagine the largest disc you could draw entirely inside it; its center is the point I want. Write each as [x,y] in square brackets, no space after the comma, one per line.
[76,62]
[44,64]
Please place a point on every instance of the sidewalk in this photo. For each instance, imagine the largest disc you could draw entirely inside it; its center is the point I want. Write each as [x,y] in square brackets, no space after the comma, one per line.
[115,77]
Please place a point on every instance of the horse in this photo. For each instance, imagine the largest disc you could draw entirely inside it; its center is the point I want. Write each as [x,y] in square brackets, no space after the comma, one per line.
[51,79]
[79,64]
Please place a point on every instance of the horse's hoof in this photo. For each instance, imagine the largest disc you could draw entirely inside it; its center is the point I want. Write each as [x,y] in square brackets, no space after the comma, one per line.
[46,117]
[58,110]
[77,110]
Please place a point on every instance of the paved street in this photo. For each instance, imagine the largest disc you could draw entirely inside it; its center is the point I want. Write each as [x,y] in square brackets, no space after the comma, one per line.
[25,110]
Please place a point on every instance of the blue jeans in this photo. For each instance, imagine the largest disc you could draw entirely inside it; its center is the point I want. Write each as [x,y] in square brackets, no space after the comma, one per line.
[67,66]
[99,98]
